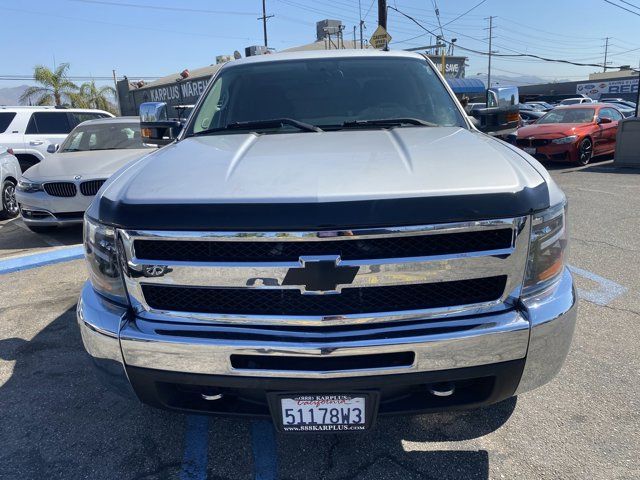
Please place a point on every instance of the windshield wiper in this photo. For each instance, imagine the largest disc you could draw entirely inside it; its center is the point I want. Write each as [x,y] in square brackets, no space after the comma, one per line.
[388,122]
[257,124]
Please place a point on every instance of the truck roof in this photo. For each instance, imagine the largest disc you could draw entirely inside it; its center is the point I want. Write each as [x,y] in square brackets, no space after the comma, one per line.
[338,53]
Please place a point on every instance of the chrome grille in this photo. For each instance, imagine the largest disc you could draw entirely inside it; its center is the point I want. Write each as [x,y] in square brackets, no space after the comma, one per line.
[400,274]
[376,248]
[61,189]
[247,301]
[91,187]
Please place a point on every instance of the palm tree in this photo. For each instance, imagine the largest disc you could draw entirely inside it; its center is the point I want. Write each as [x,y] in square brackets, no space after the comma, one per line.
[54,86]
[97,97]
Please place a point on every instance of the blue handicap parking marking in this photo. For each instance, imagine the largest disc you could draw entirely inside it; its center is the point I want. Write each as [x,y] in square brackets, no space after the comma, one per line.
[34,260]
[196,446]
[263,443]
[607,290]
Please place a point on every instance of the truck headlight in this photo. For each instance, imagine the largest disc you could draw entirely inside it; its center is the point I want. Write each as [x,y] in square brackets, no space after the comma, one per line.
[100,252]
[564,140]
[547,248]
[28,186]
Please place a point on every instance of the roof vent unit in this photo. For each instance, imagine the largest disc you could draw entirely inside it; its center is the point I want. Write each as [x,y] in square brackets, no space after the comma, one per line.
[255,50]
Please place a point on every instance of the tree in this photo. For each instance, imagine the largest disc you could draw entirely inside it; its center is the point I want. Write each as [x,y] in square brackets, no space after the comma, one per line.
[54,86]
[97,97]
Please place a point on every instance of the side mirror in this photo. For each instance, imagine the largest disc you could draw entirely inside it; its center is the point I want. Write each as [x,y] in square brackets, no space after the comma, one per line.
[602,120]
[155,126]
[52,148]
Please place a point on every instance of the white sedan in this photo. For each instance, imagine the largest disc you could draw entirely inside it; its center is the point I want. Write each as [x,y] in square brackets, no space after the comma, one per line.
[9,175]
[58,191]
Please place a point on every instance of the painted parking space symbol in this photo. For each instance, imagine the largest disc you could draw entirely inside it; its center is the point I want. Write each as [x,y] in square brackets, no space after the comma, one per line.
[605,292]
[196,446]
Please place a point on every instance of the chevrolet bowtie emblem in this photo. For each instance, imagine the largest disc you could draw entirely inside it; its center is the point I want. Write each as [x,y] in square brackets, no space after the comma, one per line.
[320,274]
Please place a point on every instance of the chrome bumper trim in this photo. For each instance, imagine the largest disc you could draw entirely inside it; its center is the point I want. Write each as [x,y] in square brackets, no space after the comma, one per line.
[100,322]
[541,332]
[502,337]
[552,315]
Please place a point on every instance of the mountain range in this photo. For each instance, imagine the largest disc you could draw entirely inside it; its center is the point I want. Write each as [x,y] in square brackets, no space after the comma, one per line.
[11,95]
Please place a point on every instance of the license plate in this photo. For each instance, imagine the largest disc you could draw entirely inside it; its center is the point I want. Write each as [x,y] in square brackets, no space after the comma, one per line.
[323,413]
[529,150]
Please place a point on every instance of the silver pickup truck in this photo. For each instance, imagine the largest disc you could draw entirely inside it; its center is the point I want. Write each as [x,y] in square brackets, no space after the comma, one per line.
[325,240]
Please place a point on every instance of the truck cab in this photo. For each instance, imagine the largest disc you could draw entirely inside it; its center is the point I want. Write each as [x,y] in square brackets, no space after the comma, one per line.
[326,240]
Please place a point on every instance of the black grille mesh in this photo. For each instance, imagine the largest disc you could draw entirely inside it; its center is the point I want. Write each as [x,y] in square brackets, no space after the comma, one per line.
[60,189]
[274,251]
[247,301]
[91,187]
[534,142]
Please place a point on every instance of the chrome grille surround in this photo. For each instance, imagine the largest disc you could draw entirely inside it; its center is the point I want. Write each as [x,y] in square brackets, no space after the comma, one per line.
[377,272]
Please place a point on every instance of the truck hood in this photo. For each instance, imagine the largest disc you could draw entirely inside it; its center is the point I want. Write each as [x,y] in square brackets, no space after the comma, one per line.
[92,164]
[329,168]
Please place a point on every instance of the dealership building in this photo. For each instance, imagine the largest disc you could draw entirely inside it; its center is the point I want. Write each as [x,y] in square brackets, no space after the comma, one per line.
[618,84]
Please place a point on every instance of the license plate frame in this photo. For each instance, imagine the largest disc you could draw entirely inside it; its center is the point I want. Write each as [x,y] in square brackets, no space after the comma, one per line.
[530,150]
[371,400]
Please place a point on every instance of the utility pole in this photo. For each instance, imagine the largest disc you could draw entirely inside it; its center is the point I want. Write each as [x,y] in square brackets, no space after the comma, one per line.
[354,36]
[382,13]
[606,51]
[115,85]
[490,51]
[361,24]
[638,99]
[264,21]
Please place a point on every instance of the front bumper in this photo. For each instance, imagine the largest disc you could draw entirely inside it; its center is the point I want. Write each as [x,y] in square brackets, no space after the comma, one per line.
[556,153]
[518,351]
[42,209]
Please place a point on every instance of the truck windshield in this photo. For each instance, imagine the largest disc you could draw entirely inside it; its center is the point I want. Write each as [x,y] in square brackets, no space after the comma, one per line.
[331,94]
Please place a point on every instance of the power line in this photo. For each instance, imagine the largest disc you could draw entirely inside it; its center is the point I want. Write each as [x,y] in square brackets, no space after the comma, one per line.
[623,8]
[505,55]
[630,4]
[158,7]
[463,14]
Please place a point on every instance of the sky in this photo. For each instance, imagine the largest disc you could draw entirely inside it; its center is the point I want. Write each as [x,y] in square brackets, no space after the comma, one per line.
[153,38]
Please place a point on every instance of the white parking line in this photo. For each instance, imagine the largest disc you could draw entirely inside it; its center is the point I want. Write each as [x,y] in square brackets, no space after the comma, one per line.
[607,290]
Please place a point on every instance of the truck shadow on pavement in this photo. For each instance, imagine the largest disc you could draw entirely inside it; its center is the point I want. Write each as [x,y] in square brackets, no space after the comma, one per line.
[59,421]
[16,238]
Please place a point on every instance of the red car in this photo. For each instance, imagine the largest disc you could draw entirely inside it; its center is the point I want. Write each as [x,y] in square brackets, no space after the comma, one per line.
[574,133]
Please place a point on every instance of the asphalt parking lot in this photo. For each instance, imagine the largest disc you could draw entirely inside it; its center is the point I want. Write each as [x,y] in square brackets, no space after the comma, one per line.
[58,421]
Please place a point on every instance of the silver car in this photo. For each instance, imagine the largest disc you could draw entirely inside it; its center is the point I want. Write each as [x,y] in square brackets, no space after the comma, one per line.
[9,174]
[58,191]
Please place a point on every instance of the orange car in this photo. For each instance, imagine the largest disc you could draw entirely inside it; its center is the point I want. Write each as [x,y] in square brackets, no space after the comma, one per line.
[574,133]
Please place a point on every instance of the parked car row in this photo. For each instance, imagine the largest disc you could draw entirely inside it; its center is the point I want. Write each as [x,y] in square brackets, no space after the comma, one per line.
[32,132]
[57,190]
